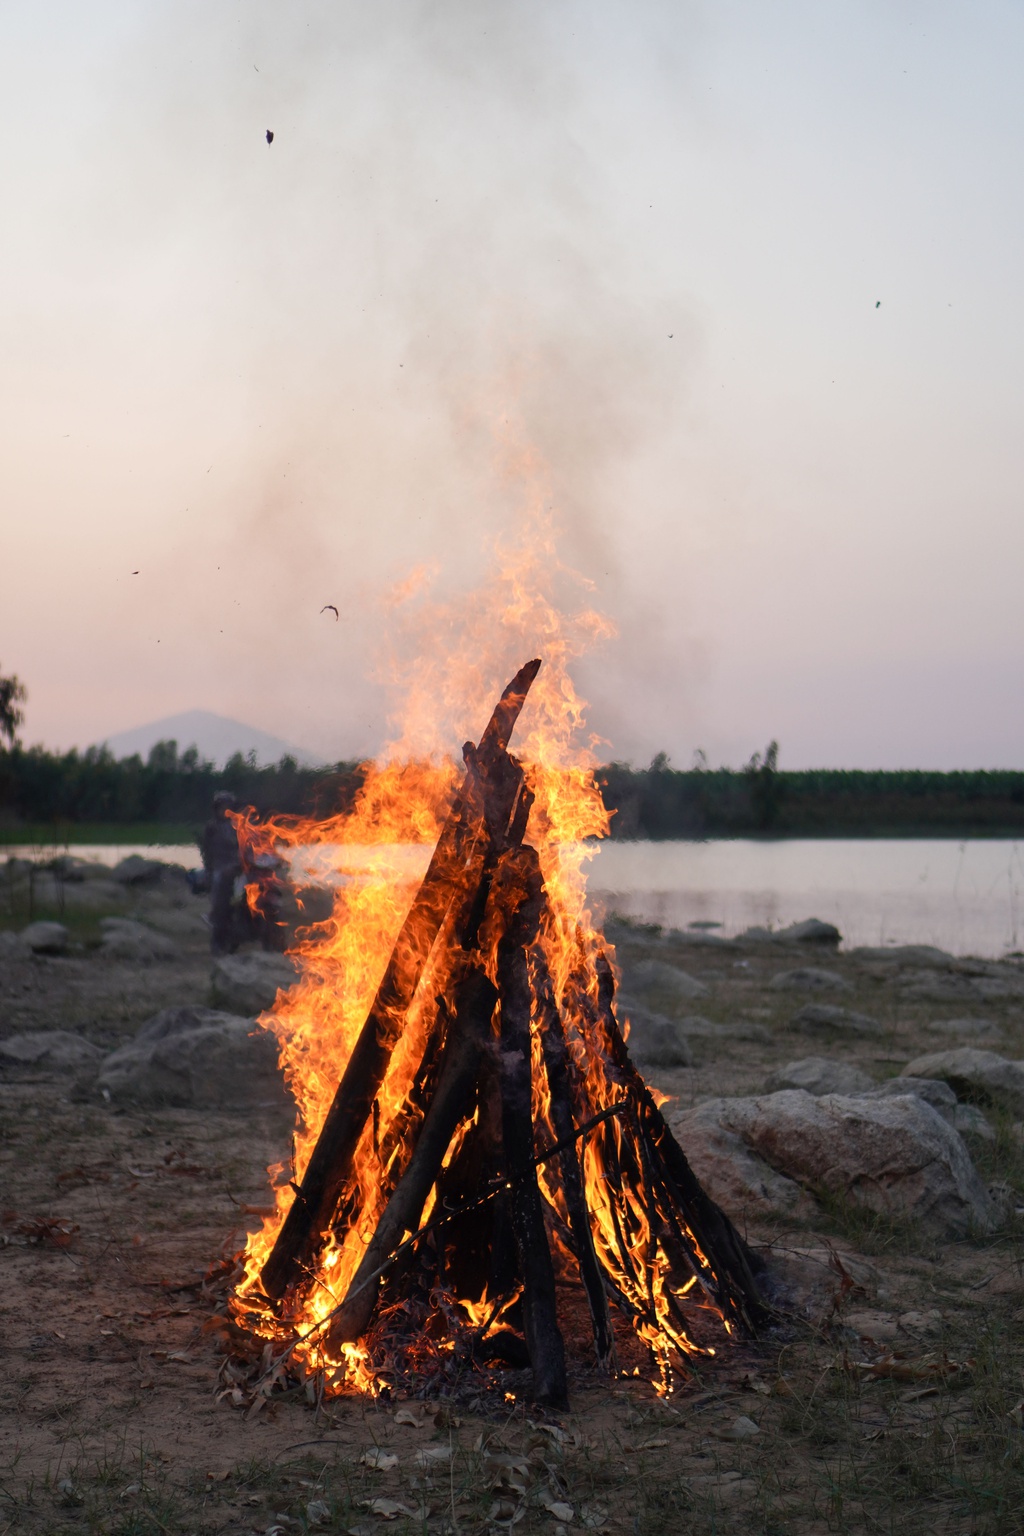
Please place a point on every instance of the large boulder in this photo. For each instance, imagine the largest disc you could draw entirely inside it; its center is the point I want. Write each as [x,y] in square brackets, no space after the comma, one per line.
[818,1075]
[49,1050]
[248,984]
[894,1156]
[981,1076]
[659,983]
[733,1175]
[809,978]
[45,938]
[830,1019]
[123,939]
[655,1041]
[195,1058]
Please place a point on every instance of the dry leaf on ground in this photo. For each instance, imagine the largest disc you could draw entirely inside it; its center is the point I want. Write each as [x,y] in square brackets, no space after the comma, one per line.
[742,1428]
[380,1460]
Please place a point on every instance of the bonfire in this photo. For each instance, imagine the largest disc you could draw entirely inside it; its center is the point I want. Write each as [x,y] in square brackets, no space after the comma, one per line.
[478,1172]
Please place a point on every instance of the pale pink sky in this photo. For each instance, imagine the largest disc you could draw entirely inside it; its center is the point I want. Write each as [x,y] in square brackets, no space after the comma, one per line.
[647,240]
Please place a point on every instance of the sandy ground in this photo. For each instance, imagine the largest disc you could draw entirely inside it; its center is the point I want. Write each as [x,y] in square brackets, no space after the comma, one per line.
[110,1420]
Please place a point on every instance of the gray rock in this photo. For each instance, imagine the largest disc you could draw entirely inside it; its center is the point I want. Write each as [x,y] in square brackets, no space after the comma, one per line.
[904,954]
[657,980]
[895,1156]
[809,978]
[696,1027]
[195,1058]
[135,870]
[830,1019]
[811,931]
[697,938]
[45,938]
[248,984]
[945,987]
[655,1041]
[931,1089]
[49,1050]
[969,1121]
[972,1074]
[66,866]
[729,1172]
[818,1075]
[124,939]
[967,1029]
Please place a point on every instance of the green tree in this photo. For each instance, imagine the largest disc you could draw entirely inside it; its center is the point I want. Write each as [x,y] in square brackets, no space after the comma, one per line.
[12,693]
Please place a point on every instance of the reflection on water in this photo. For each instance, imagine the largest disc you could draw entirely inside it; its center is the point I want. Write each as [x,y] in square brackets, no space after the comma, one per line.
[967,897]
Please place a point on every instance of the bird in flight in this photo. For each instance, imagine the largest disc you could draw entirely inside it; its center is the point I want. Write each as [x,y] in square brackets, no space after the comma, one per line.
[270,135]
[331,607]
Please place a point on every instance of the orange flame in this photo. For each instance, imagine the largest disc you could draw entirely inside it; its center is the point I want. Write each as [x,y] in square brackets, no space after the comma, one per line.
[375,855]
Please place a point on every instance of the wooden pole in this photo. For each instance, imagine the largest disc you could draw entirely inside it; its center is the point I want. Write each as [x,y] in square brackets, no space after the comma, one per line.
[540,1320]
[558,1067]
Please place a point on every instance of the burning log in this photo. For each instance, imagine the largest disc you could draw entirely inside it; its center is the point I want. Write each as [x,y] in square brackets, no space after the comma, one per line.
[467,1035]
[520,1138]
[543,1340]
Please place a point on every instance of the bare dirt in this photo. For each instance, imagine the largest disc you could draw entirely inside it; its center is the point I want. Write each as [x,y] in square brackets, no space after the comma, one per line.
[889,1398]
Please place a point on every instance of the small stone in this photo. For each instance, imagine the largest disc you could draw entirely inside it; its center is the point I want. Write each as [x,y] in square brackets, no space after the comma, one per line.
[818,1075]
[45,938]
[196,1058]
[811,931]
[135,870]
[124,939]
[830,1019]
[809,978]
[655,1041]
[49,1050]
[931,1089]
[967,1029]
[249,984]
[657,980]
[972,1074]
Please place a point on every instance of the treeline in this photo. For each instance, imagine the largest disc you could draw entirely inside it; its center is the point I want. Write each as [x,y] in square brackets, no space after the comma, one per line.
[759,800]
[49,788]
[43,788]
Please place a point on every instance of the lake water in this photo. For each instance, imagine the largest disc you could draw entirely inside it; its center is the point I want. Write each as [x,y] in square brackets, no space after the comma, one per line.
[967,897]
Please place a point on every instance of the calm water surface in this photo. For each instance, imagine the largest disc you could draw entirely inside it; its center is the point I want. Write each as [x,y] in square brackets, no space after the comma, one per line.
[967,897]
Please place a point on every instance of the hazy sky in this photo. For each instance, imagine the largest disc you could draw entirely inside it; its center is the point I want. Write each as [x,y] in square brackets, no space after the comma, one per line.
[739,284]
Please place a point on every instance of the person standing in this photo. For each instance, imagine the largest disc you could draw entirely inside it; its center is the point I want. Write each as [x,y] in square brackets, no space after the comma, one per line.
[223,865]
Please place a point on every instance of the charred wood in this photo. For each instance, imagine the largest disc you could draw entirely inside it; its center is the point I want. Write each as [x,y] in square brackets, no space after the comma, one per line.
[540,1321]
[474,1006]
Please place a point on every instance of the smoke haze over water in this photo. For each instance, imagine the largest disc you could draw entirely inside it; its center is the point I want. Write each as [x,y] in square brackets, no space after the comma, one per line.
[621,262]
